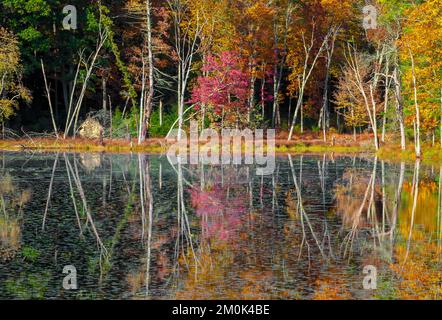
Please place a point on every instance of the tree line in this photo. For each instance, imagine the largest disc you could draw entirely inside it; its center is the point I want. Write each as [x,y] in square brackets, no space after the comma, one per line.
[144,66]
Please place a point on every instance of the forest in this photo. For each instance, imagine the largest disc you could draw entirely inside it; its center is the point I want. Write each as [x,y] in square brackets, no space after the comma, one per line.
[368,72]
[348,92]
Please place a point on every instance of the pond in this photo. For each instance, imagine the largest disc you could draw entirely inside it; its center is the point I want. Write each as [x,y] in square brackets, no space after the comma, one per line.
[134,226]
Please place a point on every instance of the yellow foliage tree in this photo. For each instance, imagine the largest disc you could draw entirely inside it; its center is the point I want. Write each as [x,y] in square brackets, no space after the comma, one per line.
[11,89]
[421,53]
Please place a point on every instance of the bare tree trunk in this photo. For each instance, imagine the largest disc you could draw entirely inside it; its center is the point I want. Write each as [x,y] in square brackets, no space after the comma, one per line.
[110,114]
[71,90]
[440,128]
[102,37]
[302,119]
[142,100]
[104,100]
[279,66]
[186,46]
[48,94]
[251,97]
[324,111]
[416,105]
[290,111]
[149,100]
[180,101]
[298,105]
[161,113]
[147,103]
[374,122]
[306,73]
[399,105]
[353,60]
[324,115]
[386,96]
[263,82]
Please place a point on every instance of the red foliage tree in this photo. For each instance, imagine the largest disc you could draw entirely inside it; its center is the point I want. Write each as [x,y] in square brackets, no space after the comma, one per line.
[223,89]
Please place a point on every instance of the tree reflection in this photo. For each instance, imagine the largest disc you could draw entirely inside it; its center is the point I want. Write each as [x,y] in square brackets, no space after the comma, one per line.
[137,227]
[12,202]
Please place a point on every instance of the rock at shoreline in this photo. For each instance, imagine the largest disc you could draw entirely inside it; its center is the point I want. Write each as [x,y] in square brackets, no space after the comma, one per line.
[90,129]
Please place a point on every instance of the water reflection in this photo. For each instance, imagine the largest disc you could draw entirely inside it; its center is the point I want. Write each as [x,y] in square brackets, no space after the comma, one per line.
[137,227]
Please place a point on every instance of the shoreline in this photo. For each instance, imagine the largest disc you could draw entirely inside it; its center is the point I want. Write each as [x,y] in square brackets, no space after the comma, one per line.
[388,152]
[159,145]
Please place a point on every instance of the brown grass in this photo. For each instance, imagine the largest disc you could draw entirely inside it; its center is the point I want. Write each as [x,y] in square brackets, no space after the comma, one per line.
[79,144]
[309,142]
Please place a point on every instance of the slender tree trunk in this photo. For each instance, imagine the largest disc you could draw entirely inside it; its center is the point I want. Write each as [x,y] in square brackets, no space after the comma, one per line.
[290,111]
[103,84]
[306,73]
[440,128]
[263,82]
[279,64]
[399,105]
[57,115]
[161,113]
[387,90]
[302,119]
[417,111]
[374,122]
[298,106]
[149,98]
[324,113]
[180,101]
[251,97]
[48,93]
[353,62]
[110,115]
[275,101]
[142,100]
[90,67]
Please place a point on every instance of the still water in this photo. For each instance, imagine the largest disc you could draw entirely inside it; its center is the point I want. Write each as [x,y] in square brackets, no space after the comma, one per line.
[136,227]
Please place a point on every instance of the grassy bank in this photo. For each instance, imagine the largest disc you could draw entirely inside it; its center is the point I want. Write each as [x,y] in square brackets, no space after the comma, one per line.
[430,153]
[83,145]
[161,146]
[342,146]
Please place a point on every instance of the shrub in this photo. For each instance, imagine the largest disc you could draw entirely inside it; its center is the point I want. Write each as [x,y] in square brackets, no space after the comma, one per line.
[121,124]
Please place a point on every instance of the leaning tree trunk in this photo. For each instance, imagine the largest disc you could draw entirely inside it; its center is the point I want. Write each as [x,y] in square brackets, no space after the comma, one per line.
[48,93]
